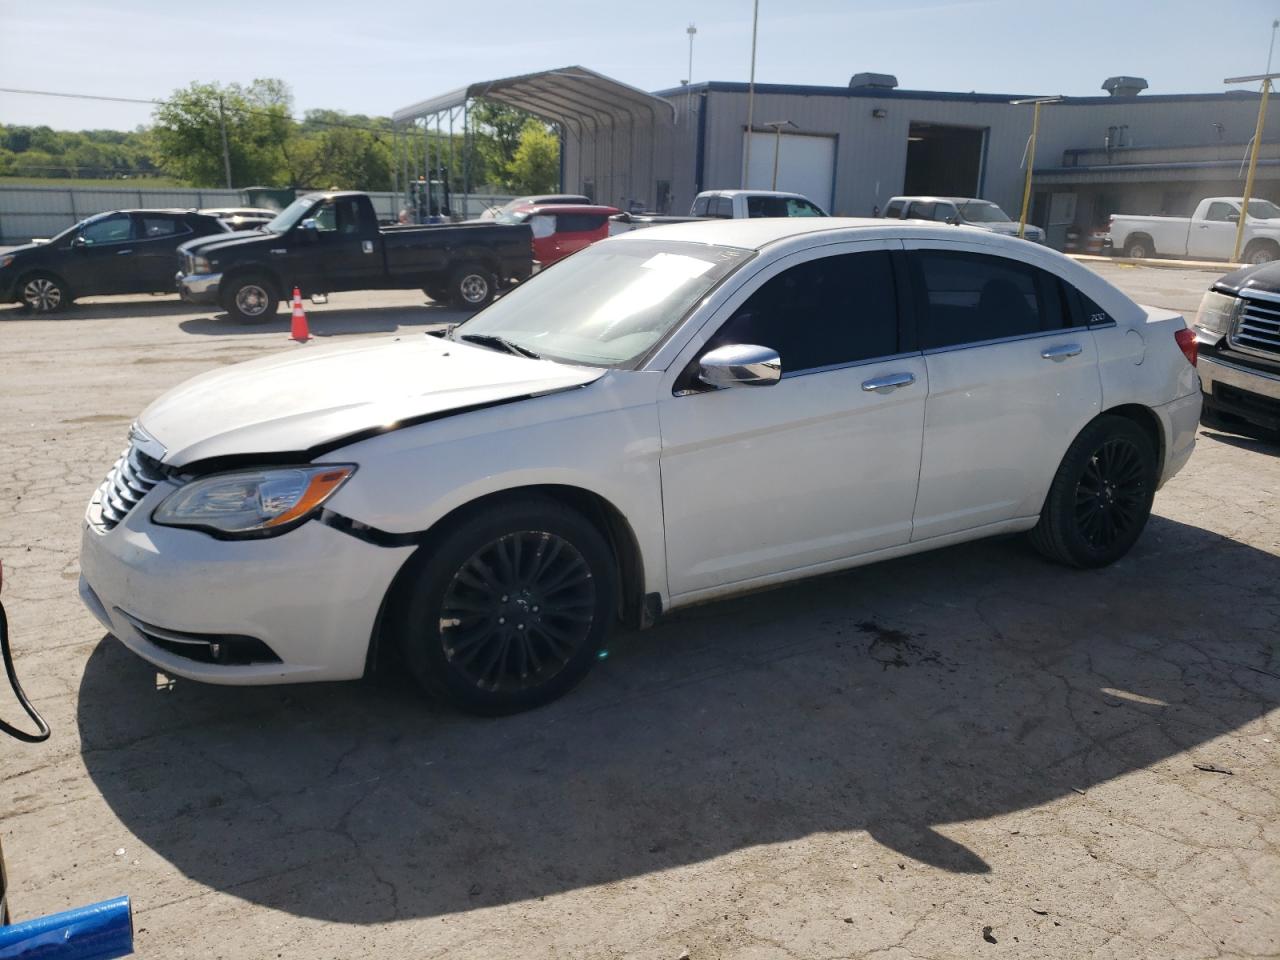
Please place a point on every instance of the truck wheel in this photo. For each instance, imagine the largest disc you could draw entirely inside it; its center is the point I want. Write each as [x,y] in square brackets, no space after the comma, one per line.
[1139,248]
[509,609]
[251,299]
[1101,496]
[472,287]
[1261,251]
[43,293]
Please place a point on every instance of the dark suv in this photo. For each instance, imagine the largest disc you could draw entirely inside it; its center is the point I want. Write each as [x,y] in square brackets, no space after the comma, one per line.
[124,251]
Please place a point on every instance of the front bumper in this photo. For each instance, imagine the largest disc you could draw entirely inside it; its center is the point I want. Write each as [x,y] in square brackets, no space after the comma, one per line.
[1252,395]
[311,595]
[198,287]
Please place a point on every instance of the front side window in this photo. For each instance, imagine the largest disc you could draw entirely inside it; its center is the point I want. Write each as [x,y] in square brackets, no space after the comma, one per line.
[920,211]
[723,208]
[581,222]
[766,207]
[972,298]
[608,304]
[111,229]
[826,312]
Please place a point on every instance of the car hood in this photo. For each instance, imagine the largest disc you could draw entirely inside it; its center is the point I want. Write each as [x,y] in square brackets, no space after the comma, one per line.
[25,248]
[1265,277]
[1009,229]
[312,398]
[222,241]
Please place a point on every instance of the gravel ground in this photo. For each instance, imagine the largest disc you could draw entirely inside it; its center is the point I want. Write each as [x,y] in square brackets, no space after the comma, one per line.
[965,753]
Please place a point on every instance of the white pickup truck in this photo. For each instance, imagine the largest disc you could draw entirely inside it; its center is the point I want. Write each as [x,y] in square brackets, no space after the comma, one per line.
[1209,234]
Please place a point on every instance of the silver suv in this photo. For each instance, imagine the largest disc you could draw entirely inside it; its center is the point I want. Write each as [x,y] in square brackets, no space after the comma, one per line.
[964,211]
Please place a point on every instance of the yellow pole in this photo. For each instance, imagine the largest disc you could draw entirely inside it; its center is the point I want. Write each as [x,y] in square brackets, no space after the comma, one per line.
[1253,166]
[1031,162]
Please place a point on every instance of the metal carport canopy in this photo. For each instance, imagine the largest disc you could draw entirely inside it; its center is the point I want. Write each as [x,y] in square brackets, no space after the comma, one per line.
[567,95]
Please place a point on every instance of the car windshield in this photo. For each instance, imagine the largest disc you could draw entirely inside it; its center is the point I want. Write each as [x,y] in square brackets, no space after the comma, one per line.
[288,218]
[1263,209]
[609,304]
[980,211]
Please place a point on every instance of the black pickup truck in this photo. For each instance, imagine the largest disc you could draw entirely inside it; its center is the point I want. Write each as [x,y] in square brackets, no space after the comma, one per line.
[326,242]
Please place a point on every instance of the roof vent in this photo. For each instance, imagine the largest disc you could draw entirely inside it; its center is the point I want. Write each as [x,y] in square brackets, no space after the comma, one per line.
[1124,86]
[881,81]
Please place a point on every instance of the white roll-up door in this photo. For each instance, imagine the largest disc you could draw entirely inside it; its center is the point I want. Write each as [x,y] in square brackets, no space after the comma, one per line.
[806,164]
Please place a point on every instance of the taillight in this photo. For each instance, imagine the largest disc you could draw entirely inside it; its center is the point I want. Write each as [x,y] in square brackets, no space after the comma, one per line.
[1188,344]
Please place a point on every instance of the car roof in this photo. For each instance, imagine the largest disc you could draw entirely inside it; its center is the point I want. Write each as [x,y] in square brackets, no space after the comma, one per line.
[752,193]
[760,232]
[932,199]
[566,208]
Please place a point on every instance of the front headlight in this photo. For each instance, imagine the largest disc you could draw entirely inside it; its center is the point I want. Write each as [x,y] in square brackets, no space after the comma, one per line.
[5,261]
[201,265]
[1218,311]
[253,503]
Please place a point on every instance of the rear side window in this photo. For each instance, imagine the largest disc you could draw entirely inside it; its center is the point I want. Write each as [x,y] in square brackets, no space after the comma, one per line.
[829,311]
[580,222]
[971,298]
[156,227]
[894,210]
[1085,312]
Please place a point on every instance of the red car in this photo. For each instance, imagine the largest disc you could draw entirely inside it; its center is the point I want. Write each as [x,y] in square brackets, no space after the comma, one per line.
[562,229]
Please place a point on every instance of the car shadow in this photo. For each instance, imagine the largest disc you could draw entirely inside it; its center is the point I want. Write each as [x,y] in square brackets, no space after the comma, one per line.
[1247,438]
[901,699]
[333,323]
[113,309]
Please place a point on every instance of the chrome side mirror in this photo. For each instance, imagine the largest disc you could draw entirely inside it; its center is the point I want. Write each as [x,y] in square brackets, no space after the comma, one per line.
[310,229]
[79,242]
[740,365]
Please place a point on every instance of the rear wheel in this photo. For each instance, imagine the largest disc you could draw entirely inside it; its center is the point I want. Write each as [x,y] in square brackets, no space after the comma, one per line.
[509,610]
[43,293]
[251,299]
[1101,496]
[472,287]
[1139,248]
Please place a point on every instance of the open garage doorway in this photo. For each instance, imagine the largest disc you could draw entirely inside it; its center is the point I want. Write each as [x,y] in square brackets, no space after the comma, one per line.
[944,161]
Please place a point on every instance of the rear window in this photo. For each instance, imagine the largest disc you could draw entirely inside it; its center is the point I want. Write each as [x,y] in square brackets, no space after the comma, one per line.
[700,206]
[580,222]
[894,210]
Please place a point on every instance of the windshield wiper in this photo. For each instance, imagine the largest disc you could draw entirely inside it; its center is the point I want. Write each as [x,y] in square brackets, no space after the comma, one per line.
[489,340]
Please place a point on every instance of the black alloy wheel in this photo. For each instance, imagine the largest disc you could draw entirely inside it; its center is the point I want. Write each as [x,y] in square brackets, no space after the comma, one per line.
[1111,494]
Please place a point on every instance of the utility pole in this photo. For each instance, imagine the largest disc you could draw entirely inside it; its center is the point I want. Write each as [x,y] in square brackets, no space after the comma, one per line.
[691,30]
[751,91]
[1031,158]
[777,145]
[226,151]
[1266,79]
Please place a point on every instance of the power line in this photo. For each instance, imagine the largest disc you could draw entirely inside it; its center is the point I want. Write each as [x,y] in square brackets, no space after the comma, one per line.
[242,109]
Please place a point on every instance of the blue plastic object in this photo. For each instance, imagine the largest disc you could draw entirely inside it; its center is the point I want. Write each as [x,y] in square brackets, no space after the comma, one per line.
[100,931]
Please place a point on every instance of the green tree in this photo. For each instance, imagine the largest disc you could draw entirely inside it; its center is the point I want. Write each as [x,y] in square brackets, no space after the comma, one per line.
[498,131]
[187,134]
[535,168]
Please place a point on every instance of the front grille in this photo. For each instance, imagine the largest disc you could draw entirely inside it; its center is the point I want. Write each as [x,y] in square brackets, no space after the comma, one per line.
[131,479]
[1258,329]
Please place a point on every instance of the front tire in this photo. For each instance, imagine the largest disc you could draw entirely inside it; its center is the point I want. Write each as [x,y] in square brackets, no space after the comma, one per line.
[1101,496]
[509,609]
[1261,251]
[250,299]
[43,293]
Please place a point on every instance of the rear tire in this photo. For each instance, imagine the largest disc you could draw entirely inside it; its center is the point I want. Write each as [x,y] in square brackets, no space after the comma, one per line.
[43,293]
[510,607]
[472,287]
[250,298]
[1101,496]
[1139,248]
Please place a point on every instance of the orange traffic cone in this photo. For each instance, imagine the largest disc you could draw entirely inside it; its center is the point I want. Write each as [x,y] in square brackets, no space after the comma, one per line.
[298,327]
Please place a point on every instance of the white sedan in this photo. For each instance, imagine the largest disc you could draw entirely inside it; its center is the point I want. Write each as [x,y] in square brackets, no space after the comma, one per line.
[665,417]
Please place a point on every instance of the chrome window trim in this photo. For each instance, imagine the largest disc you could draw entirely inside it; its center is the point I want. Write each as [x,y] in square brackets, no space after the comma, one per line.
[1039,335]
[846,366]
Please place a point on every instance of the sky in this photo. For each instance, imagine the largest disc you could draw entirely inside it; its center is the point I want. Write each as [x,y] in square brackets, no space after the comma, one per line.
[377,56]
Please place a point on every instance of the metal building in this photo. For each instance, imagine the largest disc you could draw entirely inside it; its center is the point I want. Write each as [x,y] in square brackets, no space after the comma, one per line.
[851,148]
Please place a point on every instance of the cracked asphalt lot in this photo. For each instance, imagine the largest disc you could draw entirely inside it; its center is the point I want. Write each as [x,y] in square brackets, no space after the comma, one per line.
[961,754]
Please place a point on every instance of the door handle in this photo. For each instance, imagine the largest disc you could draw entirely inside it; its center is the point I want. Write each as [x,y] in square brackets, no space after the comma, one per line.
[888,383]
[121,253]
[1061,351]
[367,246]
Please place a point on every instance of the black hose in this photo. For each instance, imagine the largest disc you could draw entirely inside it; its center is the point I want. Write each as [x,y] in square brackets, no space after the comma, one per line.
[17,689]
